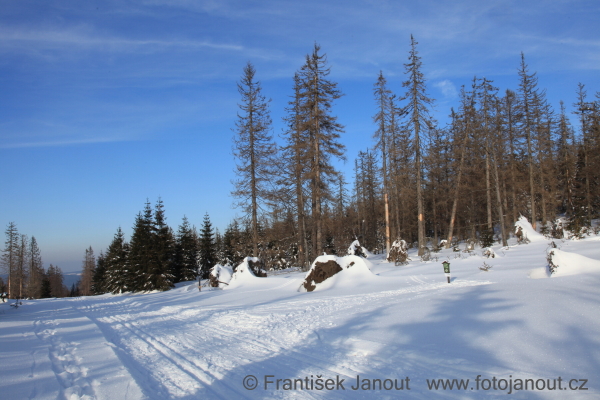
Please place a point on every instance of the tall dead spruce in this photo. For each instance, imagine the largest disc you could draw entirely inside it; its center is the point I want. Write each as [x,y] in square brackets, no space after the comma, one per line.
[253,149]
[418,120]
[317,94]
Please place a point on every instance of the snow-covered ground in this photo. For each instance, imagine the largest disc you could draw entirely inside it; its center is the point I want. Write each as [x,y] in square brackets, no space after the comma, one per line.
[405,324]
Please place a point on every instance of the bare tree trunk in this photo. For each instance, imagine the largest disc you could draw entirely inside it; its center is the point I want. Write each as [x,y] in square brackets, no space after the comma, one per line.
[499,200]
[531,181]
[435,222]
[488,194]
[420,211]
[302,245]
[456,190]
[254,192]
[387,225]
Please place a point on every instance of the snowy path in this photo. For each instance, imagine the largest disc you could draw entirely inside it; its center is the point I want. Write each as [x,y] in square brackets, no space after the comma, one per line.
[213,346]
[407,322]
[70,358]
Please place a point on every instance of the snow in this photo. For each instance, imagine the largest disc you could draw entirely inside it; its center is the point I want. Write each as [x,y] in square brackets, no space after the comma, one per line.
[222,273]
[373,319]
[528,230]
[354,246]
[356,271]
[573,264]
[243,275]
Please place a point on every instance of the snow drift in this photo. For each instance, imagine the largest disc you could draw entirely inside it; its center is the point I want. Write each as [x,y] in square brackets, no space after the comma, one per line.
[245,273]
[527,230]
[330,271]
[565,264]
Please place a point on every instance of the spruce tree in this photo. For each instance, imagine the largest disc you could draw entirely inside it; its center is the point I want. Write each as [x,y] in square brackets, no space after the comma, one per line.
[206,251]
[186,253]
[99,278]
[56,281]
[418,120]
[118,277]
[585,110]
[9,258]
[323,132]
[566,162]
[294,169]
[528,92]
[232,254]
[87,274]
[219,247]
[141,252]
[36,270]
[161,275]
[46,291]
[21,274]
[254,150]
[382,137]
[382,120]
[75,292]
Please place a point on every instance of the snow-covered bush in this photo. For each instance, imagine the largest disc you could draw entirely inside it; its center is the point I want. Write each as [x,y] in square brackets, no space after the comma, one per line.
[426,256]
[398,253]
[486,237]
[521,236]
[581,233]
[488,252]
[220,276]
[469,246]
[552,266]
[485,267]
[554,230]
[356,249]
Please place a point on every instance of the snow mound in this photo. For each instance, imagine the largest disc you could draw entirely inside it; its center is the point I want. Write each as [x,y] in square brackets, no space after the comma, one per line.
[572,264]
[220,276]
[565,264]
[244,274]
[528,230]
[353,271]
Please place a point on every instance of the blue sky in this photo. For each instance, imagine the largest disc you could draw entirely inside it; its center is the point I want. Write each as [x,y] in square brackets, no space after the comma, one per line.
[105,104]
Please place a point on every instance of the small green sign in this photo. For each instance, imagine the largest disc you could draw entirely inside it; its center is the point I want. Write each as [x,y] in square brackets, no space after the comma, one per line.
[446,267]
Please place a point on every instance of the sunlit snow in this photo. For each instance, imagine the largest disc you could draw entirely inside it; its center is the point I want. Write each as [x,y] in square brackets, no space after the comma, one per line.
[378,321]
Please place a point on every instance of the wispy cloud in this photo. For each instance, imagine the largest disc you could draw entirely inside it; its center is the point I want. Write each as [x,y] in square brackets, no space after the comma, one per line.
[447,88]
[61,143]
[78,37]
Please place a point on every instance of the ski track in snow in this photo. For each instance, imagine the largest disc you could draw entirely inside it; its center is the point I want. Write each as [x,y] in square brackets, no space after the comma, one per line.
[212,360]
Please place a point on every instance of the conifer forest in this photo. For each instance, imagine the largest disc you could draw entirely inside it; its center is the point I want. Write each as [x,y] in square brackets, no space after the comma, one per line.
[506,153]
